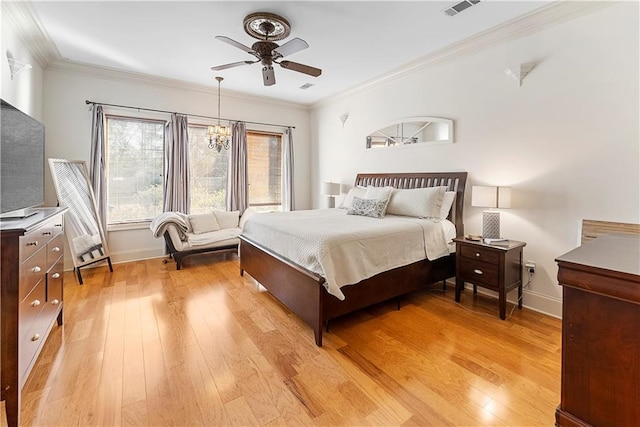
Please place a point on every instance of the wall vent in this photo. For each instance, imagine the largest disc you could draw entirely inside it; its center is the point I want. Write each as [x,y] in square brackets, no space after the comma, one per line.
[460,6]
[306,86]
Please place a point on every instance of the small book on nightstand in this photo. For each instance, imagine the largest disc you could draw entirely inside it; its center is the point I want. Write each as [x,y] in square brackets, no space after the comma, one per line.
[499,242]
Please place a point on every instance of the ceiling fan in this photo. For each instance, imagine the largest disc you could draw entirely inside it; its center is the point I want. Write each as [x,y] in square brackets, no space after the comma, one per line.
[267,28]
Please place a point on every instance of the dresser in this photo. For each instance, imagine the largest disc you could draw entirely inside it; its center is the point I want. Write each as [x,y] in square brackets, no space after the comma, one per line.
[31,296]
[600,333]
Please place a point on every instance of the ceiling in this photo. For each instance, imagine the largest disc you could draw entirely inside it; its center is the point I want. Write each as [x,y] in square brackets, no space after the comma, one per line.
[352,42]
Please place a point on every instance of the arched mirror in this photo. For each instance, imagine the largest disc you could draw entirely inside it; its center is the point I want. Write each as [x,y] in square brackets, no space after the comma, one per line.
[83,229]
[412,132]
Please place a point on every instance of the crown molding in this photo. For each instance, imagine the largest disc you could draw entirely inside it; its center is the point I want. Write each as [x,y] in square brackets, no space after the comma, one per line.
[116,74]
[531,23]
[31,31]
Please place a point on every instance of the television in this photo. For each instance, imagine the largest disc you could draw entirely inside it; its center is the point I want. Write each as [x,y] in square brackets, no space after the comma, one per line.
[21,163]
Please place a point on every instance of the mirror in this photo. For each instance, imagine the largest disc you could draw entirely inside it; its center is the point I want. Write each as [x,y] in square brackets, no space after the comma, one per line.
[83,229]
[413,132]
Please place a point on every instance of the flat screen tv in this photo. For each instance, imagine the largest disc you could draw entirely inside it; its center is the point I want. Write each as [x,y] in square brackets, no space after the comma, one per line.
[21,163]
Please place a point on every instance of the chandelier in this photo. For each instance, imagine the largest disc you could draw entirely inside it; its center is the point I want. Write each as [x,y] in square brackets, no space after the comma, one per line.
[219,136]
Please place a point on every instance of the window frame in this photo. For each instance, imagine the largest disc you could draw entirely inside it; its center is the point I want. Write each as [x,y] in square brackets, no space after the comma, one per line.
[279,135]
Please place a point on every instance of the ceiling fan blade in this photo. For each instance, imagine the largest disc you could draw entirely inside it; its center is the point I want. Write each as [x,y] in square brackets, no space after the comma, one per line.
[239,45]
[231,65]
[301,68]
[268,76]
[292,46]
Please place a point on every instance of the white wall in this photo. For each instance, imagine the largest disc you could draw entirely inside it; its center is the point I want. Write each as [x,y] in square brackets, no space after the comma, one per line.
[25,90]
[68,123]
[567,141]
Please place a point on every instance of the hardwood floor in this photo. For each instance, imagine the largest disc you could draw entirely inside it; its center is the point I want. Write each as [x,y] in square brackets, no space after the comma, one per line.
[149,345]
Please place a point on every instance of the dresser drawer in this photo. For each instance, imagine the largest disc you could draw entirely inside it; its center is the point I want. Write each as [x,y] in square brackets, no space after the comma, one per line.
[32,271]
[55,278]
[480,272]
[31,342]
[31,308]
[55,249]
[480,254]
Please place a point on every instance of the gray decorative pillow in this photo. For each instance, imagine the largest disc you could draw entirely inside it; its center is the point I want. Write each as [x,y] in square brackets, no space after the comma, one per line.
[367,207]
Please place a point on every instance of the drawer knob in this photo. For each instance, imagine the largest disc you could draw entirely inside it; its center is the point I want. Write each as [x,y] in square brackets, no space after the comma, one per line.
[34,243]
[56,249]
[46,233]
[36,269]
[56,275]
[35,337]
[58,225]
[477,271]
[55,302]
[477,253]
[35,303]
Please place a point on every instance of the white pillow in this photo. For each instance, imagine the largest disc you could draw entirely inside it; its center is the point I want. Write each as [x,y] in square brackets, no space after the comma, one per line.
[417,202]
[381,194]
[248,213]
[358,191]
[227,219]
[447,202]
[203,223]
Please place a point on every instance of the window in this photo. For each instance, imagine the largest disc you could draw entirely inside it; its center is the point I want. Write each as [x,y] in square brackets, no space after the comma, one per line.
[135,149]
[264,169]
[208,170]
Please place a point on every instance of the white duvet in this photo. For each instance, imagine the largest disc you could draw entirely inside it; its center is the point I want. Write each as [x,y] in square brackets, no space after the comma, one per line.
[345,249]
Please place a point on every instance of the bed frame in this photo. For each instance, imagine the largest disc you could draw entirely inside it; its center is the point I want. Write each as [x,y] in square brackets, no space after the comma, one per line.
[303,292]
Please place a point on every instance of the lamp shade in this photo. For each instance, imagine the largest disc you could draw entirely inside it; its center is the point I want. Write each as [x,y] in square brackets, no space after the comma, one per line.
[490,197]
[331,188]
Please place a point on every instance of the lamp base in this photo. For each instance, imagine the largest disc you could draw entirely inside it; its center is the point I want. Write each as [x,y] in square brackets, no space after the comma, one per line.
[491,225]
[331,202]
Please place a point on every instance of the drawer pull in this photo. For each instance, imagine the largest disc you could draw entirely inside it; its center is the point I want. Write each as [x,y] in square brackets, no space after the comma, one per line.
[35,337]
[36,269]
[55,302]
[55,275]
[58,225]
[55,249]
[477,254]
[34,243]
[46,233]
[35,303]
[477,271]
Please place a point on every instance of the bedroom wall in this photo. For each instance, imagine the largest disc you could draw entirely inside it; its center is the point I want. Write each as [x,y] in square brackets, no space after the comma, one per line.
[68,121]
[25,90]
[567,141]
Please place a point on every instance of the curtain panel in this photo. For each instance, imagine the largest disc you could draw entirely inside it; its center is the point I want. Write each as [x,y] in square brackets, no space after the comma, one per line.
[176,178]
[97,170]
[237,197]
[288,196]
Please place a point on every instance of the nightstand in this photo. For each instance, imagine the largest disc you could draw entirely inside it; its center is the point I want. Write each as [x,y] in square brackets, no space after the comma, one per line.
[492,266]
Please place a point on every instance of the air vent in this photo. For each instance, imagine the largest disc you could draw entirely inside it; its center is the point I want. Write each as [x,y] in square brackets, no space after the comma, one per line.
[306,86]
[460,6]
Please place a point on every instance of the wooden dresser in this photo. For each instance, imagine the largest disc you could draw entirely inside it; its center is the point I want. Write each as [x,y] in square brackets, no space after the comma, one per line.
[32,255]
[601,333]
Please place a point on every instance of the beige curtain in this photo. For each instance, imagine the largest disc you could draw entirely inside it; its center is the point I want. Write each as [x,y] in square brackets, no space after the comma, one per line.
[176,178]
[97,171]
[237,182]
[288,196]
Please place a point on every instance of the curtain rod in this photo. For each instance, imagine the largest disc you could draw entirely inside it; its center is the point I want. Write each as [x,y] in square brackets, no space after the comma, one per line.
[191,115]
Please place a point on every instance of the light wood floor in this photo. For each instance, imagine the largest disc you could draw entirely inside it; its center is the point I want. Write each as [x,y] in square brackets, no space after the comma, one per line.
[148,345]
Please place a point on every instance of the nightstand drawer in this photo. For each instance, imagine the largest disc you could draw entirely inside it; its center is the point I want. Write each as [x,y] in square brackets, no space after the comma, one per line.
[480,272]
[479,253]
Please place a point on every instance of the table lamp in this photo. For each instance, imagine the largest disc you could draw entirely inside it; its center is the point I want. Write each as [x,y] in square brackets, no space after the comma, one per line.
[331,190]
[491,197]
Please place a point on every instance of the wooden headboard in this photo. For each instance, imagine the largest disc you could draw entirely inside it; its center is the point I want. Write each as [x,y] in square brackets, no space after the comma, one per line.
[455,181]
[592,228]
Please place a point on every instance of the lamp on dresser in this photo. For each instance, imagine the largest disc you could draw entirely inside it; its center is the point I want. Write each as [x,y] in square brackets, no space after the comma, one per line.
[331,190]
[491,197]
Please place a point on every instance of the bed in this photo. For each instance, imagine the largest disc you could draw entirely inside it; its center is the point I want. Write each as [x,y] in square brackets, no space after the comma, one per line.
[303,291]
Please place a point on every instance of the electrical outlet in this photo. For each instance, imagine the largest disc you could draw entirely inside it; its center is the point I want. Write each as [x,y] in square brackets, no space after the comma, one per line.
[531,267]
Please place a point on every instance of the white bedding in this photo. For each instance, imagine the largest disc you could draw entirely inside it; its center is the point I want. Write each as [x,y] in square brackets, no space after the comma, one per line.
[345,249]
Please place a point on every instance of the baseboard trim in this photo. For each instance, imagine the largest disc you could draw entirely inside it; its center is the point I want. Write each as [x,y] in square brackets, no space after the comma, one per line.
[122,257]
